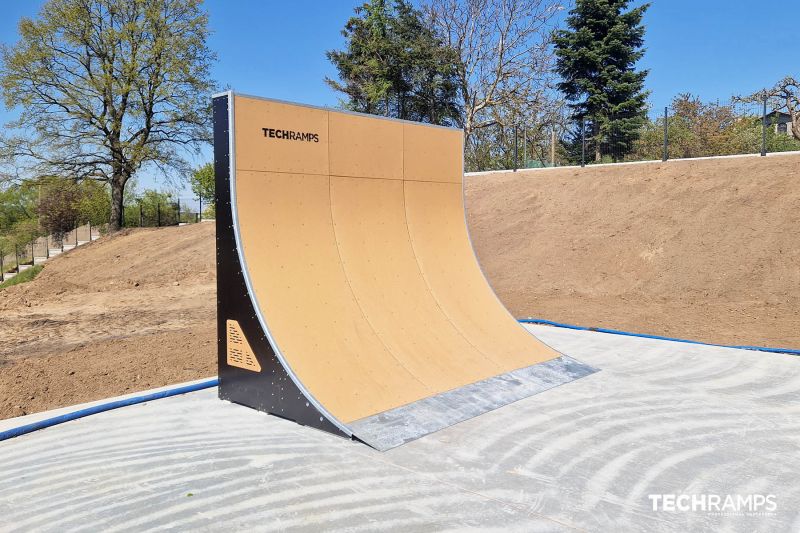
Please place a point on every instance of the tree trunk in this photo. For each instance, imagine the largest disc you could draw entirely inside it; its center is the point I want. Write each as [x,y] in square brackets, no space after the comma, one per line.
[117,207]
[796,125]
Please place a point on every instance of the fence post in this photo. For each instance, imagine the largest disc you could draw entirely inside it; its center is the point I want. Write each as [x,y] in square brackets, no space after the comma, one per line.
[16,257]
[90,230]
[525,147]
[179,211]
[583,142]
[666,133]
[2,271]
[200,209]
[553,147]
[764,130]
[158,214]
[516,148]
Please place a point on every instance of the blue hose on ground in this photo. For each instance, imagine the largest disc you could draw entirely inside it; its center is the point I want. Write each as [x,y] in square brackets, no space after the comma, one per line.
[66,417]
[544,322]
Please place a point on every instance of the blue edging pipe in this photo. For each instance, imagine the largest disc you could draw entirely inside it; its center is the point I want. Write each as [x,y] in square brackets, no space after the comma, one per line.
[66,417]
[544,322]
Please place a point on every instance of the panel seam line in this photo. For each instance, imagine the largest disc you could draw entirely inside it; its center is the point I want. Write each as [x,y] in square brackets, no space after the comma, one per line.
[352,291]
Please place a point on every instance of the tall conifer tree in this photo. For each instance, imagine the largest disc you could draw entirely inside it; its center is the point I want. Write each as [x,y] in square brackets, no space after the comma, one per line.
[597,58]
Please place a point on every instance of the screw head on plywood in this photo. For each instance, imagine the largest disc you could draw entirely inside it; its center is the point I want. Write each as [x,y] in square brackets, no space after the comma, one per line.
[240,354]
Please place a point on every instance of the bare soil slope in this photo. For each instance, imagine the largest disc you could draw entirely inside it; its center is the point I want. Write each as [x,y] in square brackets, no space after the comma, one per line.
[703,249]
[124,313]
[706,250]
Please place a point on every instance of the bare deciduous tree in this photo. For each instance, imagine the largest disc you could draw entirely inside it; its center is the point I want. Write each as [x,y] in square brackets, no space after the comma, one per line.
[784,95]
[506,58]
[787,94]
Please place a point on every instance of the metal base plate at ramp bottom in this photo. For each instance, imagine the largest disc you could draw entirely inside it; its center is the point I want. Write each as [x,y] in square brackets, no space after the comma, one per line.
[409,422]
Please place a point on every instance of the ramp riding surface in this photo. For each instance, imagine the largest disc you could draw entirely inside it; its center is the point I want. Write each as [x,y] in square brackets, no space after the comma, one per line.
[349,295]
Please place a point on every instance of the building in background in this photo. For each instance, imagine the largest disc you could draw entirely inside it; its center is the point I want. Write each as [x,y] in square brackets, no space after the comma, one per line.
[782,122]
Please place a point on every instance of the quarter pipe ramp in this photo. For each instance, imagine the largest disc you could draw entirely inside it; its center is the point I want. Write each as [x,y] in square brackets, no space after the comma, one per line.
[349,296]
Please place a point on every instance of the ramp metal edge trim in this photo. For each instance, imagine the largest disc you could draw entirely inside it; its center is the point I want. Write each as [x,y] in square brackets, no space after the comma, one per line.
[246,274]
[343,111]
[403,424]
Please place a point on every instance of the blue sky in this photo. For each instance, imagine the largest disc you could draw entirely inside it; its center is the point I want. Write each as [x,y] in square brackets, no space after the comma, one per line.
[711,48]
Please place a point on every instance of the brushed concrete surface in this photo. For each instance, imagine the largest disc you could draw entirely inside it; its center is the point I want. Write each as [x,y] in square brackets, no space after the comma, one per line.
[659,418]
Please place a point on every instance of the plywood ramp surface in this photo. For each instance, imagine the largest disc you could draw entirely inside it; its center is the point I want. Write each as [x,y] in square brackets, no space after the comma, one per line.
[360,261]
[436,223]
[304,294]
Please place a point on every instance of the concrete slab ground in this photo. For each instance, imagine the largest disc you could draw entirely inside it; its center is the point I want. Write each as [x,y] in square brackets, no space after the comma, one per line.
[660,418]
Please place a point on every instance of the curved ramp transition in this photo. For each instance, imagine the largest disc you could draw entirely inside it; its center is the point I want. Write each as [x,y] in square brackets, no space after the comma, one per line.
[349,295]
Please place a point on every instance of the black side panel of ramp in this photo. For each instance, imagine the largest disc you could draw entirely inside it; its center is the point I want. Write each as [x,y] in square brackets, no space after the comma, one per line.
[271,390]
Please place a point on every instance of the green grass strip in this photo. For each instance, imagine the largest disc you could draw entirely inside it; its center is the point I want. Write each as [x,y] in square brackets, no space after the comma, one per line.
[22,277]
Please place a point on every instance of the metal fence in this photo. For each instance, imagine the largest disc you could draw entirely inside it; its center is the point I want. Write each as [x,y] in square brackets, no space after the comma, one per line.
[42,248]
[140,214]
[688,128]
[137,214]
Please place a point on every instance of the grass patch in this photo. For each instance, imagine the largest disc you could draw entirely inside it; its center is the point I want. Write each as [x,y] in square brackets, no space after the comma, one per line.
[22,277]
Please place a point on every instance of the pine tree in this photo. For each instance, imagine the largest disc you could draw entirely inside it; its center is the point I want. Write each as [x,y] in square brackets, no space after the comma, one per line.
[394,65]
[596,58]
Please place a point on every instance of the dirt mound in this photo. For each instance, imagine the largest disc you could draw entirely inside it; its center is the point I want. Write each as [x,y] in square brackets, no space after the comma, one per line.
[127,312]
[145,258]
[700,249]
[706,250]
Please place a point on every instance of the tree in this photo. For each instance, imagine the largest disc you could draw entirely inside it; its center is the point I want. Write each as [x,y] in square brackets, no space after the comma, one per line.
[784,95]
[94,204]
[23,235]
[203,182]
[204,186]
[505,73]
[787,93]
[700,129]
[6,249]
[58,206]
[17,215]
[106,87]
[158,208]
[597,59]
[17,202]
[394,65]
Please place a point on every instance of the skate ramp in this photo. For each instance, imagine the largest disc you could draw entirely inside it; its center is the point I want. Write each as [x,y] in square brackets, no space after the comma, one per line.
[346,265]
